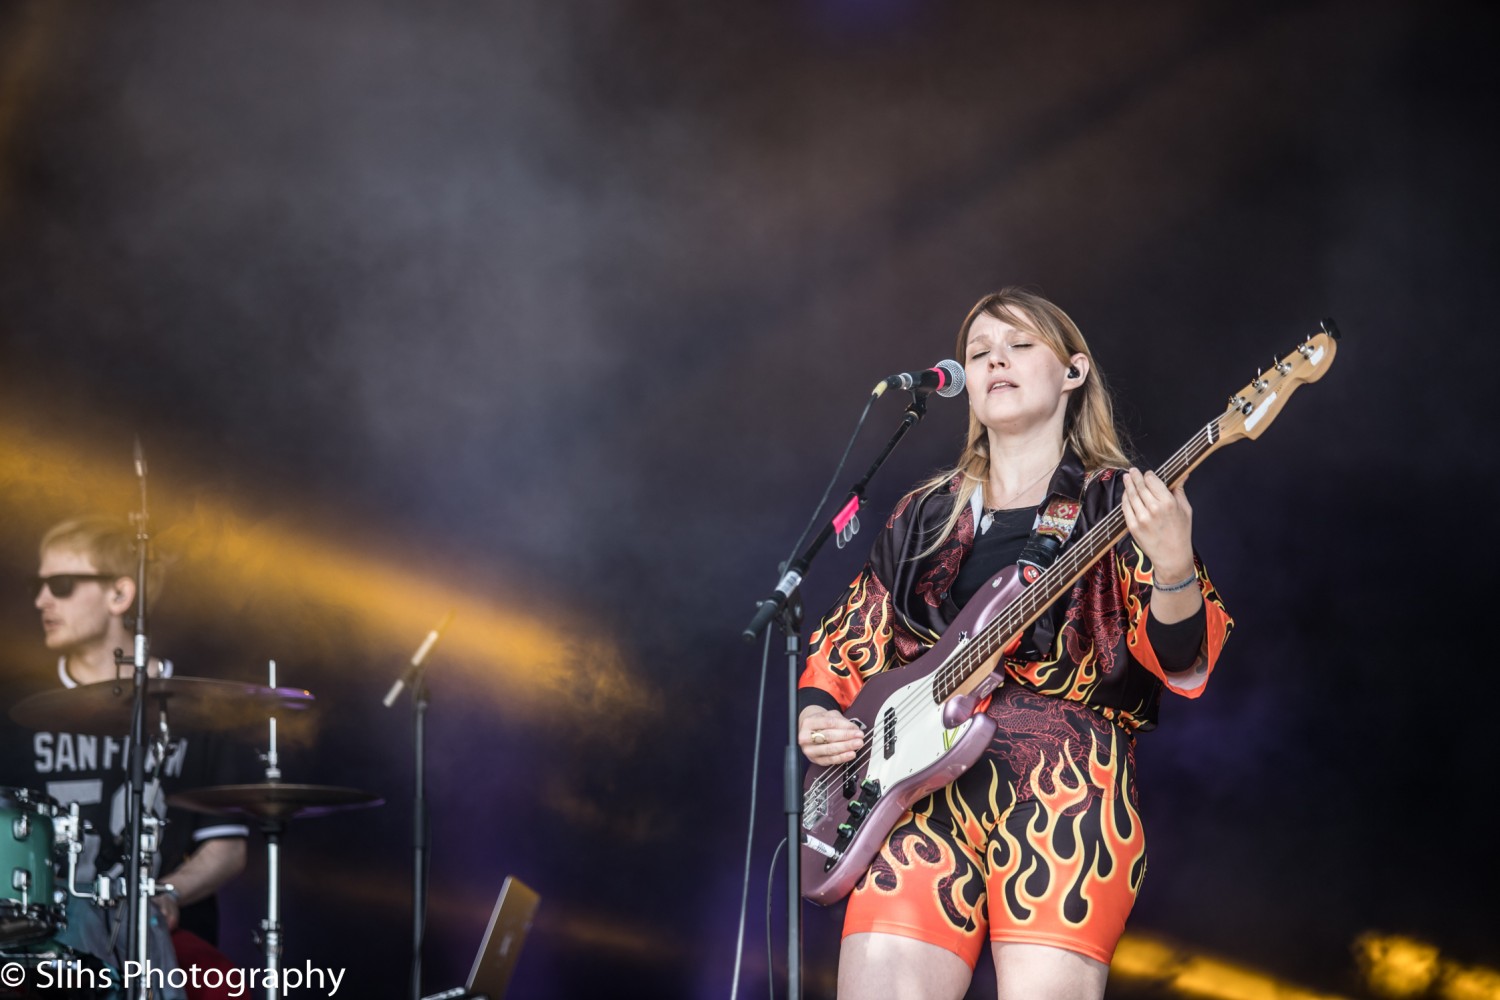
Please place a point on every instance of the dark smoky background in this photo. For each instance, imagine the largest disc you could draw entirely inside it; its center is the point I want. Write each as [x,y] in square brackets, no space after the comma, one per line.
[559,315]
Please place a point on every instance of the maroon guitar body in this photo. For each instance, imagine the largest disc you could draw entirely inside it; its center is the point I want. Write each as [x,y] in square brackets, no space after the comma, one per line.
[917,739]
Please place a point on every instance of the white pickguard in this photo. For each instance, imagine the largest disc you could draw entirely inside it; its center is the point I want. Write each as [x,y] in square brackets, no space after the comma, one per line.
[920,737]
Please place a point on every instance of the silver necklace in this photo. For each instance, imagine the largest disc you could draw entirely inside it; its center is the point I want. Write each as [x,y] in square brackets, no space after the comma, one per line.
[989,512]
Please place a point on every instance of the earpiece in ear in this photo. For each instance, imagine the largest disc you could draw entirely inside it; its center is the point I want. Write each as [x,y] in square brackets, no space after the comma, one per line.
[1073,371]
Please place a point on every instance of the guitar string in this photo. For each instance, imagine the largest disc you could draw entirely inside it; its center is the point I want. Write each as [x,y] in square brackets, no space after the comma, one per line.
[970,659]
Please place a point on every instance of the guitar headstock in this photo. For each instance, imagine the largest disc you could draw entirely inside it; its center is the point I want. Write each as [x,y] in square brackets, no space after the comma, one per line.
[1252,409]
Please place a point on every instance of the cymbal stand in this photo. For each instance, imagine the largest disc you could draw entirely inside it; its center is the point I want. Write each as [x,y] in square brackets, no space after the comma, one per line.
[138,871]
[70,829]
[271,926]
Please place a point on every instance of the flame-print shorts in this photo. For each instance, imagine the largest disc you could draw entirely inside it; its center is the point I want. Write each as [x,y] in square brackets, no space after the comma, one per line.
[1038,843]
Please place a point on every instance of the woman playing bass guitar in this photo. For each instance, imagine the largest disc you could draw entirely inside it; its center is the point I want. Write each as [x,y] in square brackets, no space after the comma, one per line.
[1039,847]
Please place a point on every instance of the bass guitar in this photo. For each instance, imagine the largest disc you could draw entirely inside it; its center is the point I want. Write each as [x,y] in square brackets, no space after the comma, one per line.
[921,721]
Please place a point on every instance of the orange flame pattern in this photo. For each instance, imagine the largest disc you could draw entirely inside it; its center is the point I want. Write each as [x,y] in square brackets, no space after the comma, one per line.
[1135,584]
[855,641]
[1060,866]
[1071,877]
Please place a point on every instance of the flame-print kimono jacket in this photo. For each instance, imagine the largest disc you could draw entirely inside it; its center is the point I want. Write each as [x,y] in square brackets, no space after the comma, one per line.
[1091,647]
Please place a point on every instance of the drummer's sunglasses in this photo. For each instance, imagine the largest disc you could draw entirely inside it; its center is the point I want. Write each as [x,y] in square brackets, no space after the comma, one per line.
[62,584]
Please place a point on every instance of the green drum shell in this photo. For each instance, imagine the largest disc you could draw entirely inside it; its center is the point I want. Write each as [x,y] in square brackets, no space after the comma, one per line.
[27,845]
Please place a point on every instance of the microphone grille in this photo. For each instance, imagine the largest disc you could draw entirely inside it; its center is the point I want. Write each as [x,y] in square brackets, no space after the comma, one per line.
[955,373]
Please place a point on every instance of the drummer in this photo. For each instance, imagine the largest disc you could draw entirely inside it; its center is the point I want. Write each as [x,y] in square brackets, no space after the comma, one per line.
[85,591]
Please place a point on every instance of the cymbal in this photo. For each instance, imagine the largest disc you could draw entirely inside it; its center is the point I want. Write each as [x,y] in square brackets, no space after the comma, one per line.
[193,704]
[274,800]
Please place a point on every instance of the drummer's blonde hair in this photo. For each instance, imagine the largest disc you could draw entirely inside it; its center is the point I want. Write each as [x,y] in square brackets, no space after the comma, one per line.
[109,543]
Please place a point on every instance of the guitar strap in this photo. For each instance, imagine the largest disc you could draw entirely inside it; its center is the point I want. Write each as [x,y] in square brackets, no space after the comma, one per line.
[1051,532]
[1053,528]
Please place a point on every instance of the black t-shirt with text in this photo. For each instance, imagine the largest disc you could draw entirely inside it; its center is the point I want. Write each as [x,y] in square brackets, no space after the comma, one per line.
[93,771]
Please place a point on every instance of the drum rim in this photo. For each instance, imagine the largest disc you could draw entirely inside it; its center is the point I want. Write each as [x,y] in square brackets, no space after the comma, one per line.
[19,795]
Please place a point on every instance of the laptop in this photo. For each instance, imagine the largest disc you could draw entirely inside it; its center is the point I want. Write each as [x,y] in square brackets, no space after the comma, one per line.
[501,947]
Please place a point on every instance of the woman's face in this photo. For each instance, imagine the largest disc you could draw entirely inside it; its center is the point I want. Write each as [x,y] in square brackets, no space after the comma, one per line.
[1016,383]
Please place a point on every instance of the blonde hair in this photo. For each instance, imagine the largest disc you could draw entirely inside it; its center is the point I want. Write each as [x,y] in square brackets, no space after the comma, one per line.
[1088,426]
[109,543]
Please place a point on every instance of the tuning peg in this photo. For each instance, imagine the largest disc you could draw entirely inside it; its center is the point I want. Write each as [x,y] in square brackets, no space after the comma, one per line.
[1259,383]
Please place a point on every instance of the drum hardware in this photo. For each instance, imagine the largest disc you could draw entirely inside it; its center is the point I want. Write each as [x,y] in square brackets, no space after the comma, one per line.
[271,926]
[29,908]
[70,829]
[107,890]
[274,801]
[192,703]
[273,804]
[195,704]
[137,866]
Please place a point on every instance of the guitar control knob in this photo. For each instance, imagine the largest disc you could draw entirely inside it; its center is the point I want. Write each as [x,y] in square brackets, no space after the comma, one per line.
[871,789]
[846,834]
[859,809]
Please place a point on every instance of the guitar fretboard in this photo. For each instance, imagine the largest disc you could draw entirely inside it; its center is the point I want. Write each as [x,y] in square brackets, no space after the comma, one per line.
[1057,578]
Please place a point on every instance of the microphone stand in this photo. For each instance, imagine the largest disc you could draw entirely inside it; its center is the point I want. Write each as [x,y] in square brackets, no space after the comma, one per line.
[415,677]
[785,607]
[421,850]
[138,872]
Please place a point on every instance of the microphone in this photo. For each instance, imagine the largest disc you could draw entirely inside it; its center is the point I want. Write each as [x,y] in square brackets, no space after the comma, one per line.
[946,378]
[410,674]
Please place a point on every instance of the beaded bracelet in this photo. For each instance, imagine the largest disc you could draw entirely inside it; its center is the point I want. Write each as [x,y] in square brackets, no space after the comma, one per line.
[1174,588]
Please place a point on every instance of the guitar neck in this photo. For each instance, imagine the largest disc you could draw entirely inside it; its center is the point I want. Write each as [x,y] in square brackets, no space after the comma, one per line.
[1250,412]
[1072,564]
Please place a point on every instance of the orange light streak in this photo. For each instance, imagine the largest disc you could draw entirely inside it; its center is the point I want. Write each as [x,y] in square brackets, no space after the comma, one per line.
[530,658]
[1396,967]
[1181,971]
